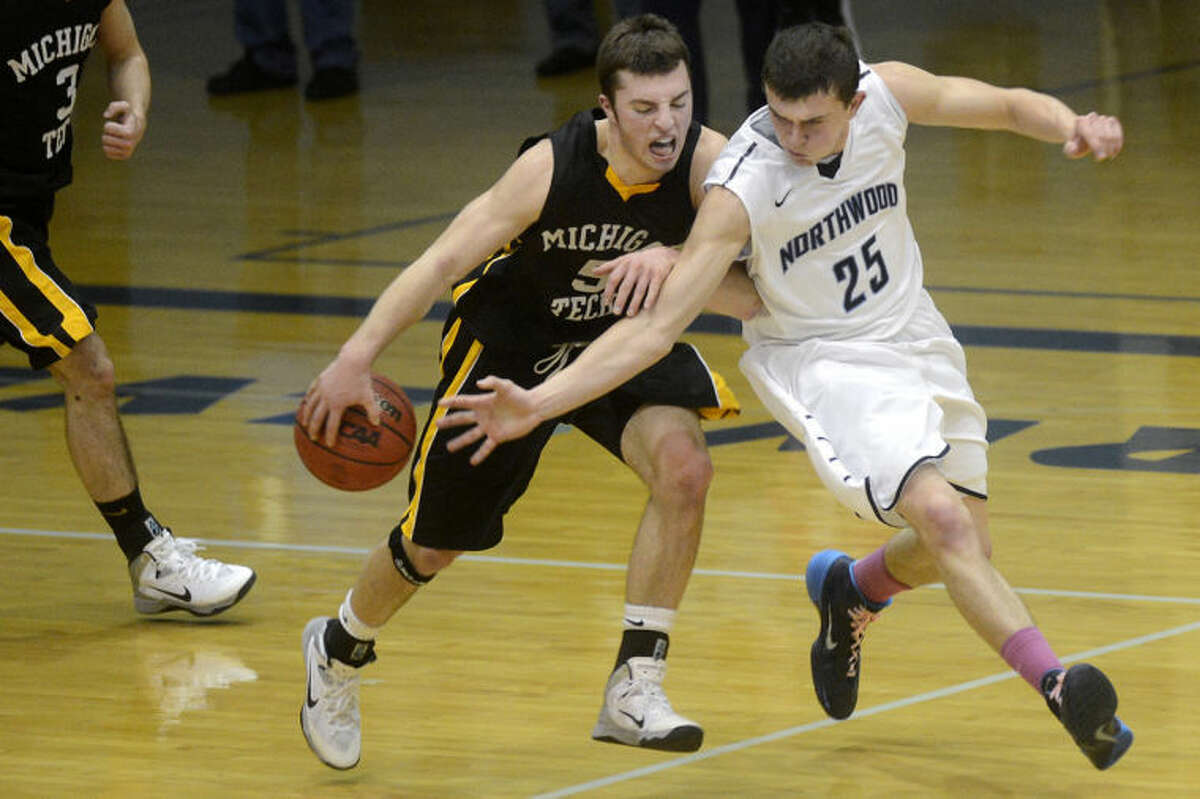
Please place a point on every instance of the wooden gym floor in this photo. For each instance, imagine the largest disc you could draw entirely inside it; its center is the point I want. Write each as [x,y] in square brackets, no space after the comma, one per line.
[232,256]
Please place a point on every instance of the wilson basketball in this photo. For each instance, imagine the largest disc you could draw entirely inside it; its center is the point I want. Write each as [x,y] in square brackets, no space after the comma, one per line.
[364,456]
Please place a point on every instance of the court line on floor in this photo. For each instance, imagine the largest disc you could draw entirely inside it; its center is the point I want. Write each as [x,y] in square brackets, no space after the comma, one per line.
[790,732]
[328,549]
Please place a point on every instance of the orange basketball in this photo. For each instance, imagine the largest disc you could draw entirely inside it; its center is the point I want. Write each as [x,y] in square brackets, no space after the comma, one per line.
[364,456]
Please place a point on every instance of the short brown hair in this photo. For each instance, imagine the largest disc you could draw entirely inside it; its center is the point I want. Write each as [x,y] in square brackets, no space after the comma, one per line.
[645,45]
[806,59]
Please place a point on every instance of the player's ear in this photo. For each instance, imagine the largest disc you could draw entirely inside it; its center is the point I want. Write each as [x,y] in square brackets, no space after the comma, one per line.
[606,106]
[856,101]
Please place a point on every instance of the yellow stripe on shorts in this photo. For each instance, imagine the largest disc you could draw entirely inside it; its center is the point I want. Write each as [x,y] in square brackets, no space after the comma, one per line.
[431,430]
[75,321]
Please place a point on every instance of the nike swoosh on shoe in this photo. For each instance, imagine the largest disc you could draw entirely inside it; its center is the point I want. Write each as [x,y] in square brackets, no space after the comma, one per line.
[186,596]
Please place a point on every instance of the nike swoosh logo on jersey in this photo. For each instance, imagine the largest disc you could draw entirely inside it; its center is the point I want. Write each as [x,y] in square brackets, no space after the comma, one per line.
[829,642]
[186,596]
[639,722]
[783,199]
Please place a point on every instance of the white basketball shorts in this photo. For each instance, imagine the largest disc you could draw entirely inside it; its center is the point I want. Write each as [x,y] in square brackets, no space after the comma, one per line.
[870,412]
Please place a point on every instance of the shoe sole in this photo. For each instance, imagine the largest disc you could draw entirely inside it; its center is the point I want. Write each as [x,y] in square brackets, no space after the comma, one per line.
[309,741]
[310,632]
[149,606]
[687,738]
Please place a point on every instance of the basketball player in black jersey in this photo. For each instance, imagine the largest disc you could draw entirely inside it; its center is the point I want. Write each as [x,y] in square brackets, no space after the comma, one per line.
[43,46]
[521,264]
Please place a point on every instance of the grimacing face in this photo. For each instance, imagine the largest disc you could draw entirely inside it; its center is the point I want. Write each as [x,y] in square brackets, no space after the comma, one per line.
[814,127]
[650,115]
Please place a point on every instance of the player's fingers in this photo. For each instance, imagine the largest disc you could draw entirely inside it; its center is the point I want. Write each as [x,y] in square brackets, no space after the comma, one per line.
[639,293]
[652,293]
[1110,136]
[313,426]
[457,419]
[1118,136]
[491,383]
[462,402]
[465,440]
[374,409]
[484,450]
[333,421]
[623,292]
[316,418]
[1075,148]
[615,279]
[303,413]
[116,108]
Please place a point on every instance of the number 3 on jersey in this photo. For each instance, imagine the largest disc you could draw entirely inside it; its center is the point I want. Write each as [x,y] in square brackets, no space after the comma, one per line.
[847,271]
[68,76]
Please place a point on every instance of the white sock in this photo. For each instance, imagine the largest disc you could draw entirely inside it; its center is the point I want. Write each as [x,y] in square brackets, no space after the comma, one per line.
[648,617]
[353,625]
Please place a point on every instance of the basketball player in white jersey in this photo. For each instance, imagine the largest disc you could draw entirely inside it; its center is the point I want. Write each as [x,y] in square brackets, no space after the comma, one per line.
[850,353]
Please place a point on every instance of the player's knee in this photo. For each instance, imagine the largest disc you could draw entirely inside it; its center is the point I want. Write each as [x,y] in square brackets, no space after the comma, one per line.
[683,471]
[87,372]
[948,528]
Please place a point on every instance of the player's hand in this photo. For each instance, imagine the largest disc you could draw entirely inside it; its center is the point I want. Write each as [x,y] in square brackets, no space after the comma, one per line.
[1096,134]
[635,278]
[504,412]
[123,130]
[339,386]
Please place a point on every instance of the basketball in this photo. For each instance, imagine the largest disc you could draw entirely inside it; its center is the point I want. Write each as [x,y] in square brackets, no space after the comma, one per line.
[364,456]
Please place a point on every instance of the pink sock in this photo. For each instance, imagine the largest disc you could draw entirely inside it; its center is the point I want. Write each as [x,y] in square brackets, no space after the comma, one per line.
[873,580]
[1030,656]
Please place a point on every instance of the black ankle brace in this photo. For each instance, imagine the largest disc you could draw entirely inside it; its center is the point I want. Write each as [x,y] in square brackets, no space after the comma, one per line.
[643,643]
[343,646]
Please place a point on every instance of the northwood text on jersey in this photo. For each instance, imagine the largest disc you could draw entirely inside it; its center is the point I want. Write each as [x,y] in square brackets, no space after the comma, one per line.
[850,212]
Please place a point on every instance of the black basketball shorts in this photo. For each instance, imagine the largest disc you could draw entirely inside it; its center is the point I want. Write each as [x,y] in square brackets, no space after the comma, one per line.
[454,505]
[41,312]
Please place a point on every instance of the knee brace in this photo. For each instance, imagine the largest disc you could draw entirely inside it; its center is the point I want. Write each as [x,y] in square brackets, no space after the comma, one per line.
[401,561]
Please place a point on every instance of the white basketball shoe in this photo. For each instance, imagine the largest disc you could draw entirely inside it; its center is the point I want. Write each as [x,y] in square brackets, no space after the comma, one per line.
[168,575]
[329,716]
[636,711]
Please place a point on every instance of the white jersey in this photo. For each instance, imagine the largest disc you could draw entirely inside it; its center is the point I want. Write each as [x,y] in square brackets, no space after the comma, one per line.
[831,257]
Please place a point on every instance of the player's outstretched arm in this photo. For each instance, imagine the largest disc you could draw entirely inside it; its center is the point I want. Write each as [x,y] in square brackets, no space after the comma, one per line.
[128,83]
[506,411]
[487,223]
[930,99]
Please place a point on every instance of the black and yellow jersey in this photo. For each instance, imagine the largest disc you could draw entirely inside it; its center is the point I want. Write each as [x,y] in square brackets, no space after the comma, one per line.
[540,291]
[43,45]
